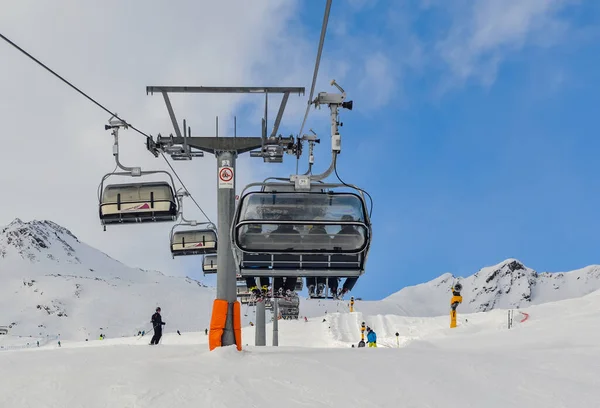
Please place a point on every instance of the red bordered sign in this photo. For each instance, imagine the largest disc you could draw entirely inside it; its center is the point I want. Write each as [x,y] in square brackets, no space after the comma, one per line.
[226,177]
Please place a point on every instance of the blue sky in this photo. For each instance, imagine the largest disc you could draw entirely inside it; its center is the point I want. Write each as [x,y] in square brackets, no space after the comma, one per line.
[475,132]
[474,122]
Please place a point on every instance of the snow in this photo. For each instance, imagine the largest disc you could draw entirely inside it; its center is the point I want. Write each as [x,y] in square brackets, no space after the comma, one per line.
[549,360]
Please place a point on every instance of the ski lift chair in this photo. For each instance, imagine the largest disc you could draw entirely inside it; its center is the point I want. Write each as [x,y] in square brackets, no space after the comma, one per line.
[277,255]
[193,242]
[209,264]
[137,203]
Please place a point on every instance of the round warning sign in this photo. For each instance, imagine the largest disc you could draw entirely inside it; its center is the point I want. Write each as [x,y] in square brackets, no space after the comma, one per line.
[225,177]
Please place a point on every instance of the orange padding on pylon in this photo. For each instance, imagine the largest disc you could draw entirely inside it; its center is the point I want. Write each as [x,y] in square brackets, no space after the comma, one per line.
[217,323]
[237,324]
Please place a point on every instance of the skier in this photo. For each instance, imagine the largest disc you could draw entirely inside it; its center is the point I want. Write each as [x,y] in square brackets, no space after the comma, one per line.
[157,323]
[143,333]
[206,332]
[371,337]
[178,332]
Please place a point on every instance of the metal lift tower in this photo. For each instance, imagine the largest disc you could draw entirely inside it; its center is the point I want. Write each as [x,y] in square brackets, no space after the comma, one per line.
[225,149]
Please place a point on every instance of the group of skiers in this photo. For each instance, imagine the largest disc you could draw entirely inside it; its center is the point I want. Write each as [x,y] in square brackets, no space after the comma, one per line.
[157,325]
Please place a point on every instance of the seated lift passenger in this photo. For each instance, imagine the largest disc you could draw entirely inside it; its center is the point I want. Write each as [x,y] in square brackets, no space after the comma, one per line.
[319,282]
[348,230]
[292,238]
[251,282]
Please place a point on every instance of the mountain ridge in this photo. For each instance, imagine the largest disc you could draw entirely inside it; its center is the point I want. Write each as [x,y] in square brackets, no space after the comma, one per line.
[55,284]
[506,285]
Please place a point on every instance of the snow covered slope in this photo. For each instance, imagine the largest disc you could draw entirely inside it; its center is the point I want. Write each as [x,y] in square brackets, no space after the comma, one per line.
[549,361]
[54,284]
[509,284]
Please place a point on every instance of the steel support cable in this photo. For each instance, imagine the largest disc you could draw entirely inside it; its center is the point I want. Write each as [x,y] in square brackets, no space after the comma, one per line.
[103,108]
[316,71]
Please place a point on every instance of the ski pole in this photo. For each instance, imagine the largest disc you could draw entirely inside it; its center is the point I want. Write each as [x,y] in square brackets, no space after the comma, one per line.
[149,331]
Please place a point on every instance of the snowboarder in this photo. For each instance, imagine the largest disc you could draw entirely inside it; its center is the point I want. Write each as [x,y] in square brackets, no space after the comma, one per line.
[157,324]
[178,332]
[59,343]
[371,337]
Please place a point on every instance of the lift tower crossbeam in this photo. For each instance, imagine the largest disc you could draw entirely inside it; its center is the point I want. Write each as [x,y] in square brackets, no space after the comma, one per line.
[226,150]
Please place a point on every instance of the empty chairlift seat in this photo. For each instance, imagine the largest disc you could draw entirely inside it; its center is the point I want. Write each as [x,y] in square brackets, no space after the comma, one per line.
[138,202]
[209,264]
[194,242]
[301,234]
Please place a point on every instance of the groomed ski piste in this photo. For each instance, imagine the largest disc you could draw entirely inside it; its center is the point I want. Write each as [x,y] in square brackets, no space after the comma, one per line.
[549,360]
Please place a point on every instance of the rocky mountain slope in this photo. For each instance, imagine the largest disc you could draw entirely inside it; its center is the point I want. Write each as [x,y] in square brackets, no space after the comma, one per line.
[510,284]
[52,283]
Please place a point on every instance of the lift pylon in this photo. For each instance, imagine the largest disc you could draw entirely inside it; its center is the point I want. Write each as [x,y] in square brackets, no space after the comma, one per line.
[225,327]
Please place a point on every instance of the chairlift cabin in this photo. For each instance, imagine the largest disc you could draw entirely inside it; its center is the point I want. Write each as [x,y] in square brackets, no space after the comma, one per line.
[209,263]
[137,202]
[310,233]
[193,242]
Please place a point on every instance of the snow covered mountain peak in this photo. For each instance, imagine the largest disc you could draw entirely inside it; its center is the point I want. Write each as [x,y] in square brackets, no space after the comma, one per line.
[35,240]
[508,284]
[53,283]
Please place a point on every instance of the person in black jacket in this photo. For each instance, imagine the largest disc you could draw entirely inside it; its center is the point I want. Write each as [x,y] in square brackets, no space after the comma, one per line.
[157,324]
[285,234]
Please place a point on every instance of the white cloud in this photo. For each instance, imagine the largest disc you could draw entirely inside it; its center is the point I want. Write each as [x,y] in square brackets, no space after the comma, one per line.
[55,149]
[379,82]
[483,33]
